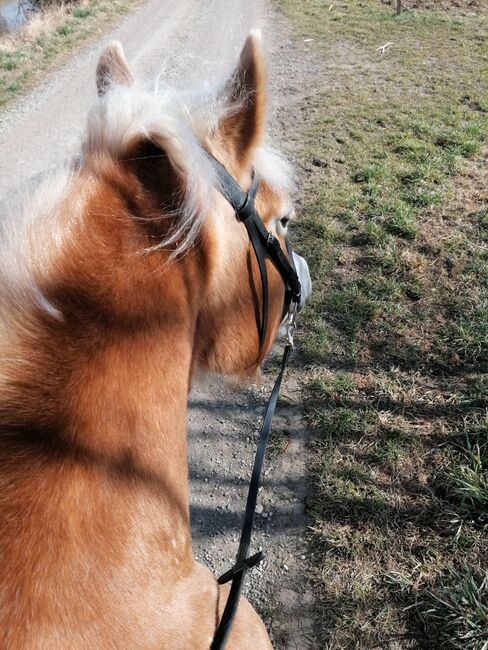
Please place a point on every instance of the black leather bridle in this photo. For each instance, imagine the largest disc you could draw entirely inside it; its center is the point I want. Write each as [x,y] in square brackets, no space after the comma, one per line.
[264,244]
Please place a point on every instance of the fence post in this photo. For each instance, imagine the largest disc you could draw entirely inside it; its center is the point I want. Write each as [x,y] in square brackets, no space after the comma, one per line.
[398,7]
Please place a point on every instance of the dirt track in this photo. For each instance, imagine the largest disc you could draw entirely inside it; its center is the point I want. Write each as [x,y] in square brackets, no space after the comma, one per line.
[43,129]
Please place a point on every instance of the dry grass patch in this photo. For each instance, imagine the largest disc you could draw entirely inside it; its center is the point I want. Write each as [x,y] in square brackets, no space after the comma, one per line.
[38,25]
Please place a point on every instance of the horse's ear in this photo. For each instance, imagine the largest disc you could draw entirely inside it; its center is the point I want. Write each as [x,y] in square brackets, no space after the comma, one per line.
[112,69]
[158,165]
[242,128]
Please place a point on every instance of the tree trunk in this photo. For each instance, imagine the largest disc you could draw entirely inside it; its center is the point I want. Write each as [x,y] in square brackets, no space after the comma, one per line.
[398,7]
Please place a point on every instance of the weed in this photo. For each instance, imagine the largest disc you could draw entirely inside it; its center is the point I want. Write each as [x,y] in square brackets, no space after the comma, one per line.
[400,220]
[350,308]
[422,197]
[469,484]
[332,387]
[337,423]
[465,482]
[65,30]
[80,12]
[9,60]
[369,173]
[277,444]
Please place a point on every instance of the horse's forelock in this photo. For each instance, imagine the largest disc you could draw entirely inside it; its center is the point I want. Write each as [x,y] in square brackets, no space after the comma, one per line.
[172,122]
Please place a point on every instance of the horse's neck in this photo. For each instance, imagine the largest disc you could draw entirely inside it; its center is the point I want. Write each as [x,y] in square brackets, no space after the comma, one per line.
[94,408]
[129,403]
[105,493]
[118,456]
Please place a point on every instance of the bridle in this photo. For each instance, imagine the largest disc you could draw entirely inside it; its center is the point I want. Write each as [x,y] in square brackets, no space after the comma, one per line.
[264,244]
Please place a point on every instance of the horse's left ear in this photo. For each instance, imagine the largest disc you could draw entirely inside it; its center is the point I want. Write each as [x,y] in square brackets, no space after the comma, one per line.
[242,128]
[113,69]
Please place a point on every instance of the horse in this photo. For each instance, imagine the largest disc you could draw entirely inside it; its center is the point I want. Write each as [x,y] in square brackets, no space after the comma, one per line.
[122,278]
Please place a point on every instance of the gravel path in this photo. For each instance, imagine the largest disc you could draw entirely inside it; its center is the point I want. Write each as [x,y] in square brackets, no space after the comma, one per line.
[224,423]
[44,128]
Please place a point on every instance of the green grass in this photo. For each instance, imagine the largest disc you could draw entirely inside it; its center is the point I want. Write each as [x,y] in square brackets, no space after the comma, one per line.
[21,66]
[456,610]
[9,60]
[79,12]
[394,341]
[65,30]
[466,482]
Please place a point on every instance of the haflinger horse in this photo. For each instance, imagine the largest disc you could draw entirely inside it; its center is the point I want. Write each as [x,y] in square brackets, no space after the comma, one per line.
[122,278]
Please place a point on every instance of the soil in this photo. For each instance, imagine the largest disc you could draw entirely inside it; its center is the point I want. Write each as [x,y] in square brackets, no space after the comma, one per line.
[43,128]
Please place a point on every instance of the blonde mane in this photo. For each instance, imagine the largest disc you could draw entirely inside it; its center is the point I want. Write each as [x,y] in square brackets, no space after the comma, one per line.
[180,121]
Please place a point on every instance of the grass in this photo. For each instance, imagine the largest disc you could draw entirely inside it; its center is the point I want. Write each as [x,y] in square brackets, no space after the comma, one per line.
[277,444]
[48,37]
[394,343]
[459,609]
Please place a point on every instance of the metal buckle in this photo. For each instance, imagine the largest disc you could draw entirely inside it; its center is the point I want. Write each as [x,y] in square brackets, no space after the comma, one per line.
[272,242]
[291,323]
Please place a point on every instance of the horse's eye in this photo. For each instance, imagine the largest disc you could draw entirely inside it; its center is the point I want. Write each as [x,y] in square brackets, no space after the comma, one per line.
[284,222]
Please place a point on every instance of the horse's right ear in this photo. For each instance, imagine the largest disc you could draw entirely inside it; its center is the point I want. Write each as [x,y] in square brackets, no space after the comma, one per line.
[242,129]
[112,69]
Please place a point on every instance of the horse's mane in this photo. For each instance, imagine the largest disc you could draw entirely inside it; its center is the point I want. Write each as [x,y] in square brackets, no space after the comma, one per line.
[172,120]
[180,121]
[34,227]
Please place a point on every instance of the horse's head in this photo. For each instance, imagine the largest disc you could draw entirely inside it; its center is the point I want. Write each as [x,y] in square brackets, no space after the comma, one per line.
[152,150]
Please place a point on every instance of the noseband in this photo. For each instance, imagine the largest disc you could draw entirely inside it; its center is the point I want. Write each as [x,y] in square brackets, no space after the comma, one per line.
[264,244]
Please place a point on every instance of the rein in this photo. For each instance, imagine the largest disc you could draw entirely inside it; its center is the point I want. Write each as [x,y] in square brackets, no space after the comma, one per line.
[264,244]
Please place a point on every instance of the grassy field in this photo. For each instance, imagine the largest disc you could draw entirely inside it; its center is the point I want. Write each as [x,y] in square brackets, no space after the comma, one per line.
[49,37]
[394,346]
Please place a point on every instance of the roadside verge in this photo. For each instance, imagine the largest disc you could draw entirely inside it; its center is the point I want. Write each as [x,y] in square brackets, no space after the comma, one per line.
[48,38]
[392,151]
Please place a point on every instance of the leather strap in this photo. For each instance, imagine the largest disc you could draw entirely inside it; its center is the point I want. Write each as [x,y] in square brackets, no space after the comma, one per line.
[263,243]
[243,562]
[261,239]
[251,228]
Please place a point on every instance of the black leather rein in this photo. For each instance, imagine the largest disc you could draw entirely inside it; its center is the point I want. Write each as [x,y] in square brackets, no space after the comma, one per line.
[264,244]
